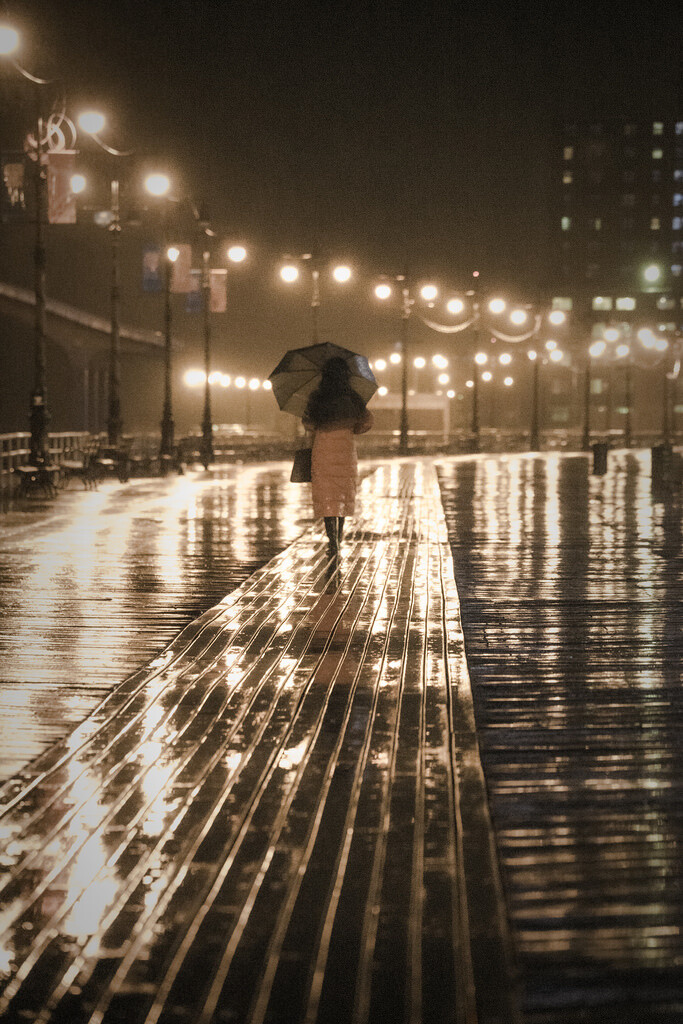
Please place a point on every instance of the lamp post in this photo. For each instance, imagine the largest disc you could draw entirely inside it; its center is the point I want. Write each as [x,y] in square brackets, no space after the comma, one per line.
[44,141]
[158,185]
[92,122]
[290,273]
[236,254]
[428,293]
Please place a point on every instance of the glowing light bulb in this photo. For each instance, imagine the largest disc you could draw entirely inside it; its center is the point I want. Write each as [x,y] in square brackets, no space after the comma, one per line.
[157,184]
[382,291]
[91,122]
[289,273]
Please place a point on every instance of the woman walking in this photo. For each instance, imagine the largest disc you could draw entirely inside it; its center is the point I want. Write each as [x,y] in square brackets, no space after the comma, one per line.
[334,413]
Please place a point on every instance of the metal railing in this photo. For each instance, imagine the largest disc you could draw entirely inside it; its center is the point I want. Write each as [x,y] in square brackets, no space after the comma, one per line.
[15,450]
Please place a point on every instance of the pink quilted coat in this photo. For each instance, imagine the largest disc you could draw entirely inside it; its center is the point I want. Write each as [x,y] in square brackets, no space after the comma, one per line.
[334,465]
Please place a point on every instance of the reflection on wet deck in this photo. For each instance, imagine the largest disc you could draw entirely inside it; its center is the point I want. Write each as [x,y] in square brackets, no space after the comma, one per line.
[96,586]
[261,824]
[571,598]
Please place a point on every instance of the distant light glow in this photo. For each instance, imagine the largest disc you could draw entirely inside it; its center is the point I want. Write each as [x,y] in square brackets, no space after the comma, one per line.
[395,358]
[487,375]
[646,337]
[91,122]
[597,349]
[419,362]
[652,273]
[9,40]
[240,382]
[508,382]
[157,184]
[622,351]
[455,306]
[550,345]
[469,383]
[611,334]
[194,378]
[225,380]
[450,393]
[383,291]
[497,306]
[78,183]
[267,386]
[518,316]
[505,358]
[380,364]
[289,273]
[342,274]
[382,391]
[557,317]
[254,384]
[440,361]
[557,355]
[481,359]
[215,377]
[429,292]
[172,253]
[237,253]
[661,344]
[532,354]
[443,378]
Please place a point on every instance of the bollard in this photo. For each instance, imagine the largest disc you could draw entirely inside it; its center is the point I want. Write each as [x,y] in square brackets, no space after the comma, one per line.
[600,450]
[662,462]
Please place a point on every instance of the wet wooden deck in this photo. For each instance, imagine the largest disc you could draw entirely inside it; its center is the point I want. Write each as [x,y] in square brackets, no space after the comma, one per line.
[282,817]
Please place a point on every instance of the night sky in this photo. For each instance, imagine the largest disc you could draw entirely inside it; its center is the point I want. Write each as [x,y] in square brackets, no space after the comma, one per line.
[378,132]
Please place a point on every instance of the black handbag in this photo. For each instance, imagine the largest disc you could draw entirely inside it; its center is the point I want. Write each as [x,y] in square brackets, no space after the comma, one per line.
[301,470]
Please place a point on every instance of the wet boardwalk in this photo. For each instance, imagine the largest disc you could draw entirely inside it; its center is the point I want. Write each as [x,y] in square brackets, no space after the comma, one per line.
[94,585]
[282,817]
[571,589]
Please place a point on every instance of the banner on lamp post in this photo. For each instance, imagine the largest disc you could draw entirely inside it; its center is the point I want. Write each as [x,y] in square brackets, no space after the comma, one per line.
[219,291]
[193,299]
[181,278]
[151,269]
[61,202]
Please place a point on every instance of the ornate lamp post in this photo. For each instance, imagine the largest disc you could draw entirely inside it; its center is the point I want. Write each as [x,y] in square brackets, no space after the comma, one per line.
[290,273]
[48,138]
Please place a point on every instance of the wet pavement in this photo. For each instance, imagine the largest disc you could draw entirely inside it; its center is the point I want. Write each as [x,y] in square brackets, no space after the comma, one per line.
[571,588]
[265,823]
[95,584]
[283,815]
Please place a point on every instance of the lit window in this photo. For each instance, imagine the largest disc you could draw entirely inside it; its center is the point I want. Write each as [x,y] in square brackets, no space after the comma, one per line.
[569,152]
[566,223]
[678,199]
[658,128]
[560,302]
[678,175]
[597,224]
[676,271]
[657,154]
[679,127]
[654,224]
[676,223]
[626,303]
[567,178]
[665,302]
[602,302]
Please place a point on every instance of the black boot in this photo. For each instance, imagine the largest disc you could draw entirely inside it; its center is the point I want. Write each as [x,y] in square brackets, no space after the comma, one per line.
[340,528]
[331,529]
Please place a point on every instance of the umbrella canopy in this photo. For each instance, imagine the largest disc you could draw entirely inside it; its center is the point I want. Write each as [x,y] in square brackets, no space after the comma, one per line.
[299,373]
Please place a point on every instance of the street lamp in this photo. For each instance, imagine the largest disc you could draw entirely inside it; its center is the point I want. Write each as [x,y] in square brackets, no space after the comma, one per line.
[158,186]
[236,254]
[48,138]
[428,293]
[92,122]
[290,273]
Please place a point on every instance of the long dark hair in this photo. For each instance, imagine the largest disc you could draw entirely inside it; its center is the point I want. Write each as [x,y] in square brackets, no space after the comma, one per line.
[334,398]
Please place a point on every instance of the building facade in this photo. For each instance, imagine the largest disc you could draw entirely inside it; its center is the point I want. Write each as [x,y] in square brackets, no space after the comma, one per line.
[618,237]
